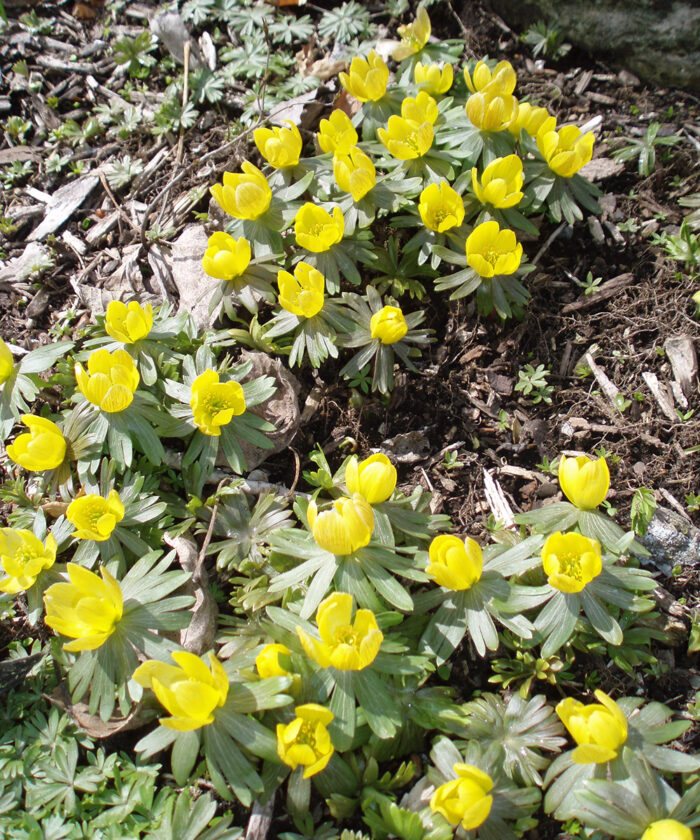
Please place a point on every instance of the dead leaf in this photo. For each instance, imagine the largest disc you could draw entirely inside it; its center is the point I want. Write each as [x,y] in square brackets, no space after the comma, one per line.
[198,637]
[93,724]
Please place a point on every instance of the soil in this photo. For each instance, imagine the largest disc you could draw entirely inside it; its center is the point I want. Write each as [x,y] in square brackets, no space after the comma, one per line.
[463,400]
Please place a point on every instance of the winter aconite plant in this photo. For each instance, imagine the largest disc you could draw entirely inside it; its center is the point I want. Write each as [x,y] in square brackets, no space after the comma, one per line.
[331,639]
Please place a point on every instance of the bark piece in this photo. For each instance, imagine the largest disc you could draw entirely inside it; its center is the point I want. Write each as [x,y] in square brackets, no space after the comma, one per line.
[62,204]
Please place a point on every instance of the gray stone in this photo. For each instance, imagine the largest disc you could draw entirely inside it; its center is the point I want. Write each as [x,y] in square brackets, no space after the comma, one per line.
[657,40]
[671,541]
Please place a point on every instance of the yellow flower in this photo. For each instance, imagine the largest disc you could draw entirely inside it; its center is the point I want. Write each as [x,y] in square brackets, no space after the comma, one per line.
[528,117]
[433,79]
[110,380]
[388,325]
[464,800]
[414,36]
[492,251]
[566,150]
[455,564]
[367,79]
[95,517]
[585,482]
[502,78]
[421,109]
[279,146]
[501,183]
[571,561]
[190,692]
[268,661]
[347,526]
[128,323]
[245,196]
[667,830]
[337,134]
[214,403]
[23,558]
[406,139]
[6,362]
[226,257]
[491,111]
[302,293]
[440,207]
[374,478]
[354,172]
[305,741]
[344,646]
[87,609]
[42,448]
[316,230]
[599,729]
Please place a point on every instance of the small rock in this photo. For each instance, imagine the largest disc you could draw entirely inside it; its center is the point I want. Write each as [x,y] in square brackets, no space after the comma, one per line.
[408,447]
[627,79]
[671,541]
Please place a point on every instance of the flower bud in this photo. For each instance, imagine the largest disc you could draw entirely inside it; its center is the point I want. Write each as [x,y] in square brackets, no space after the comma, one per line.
[110,381]
[433,79]
[600,729]
[226,258]
[24,557]
[374,478]
[244,196]
[337,134]
[388,325]
[414,36]
[343,529]
[128,322]
[667,830]
[454,563]
[367,79]
[354,172]
[281,147]
[585,482]
[6,362]
[43,448]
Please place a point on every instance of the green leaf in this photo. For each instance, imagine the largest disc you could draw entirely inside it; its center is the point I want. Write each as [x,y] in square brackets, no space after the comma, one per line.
[373,697]
[183,755]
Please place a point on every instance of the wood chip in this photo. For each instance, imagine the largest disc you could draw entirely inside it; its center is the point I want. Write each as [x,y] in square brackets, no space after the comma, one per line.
[606,385]
[680,351]
[660,394]
[611,288]
[497,501]
[62,204]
